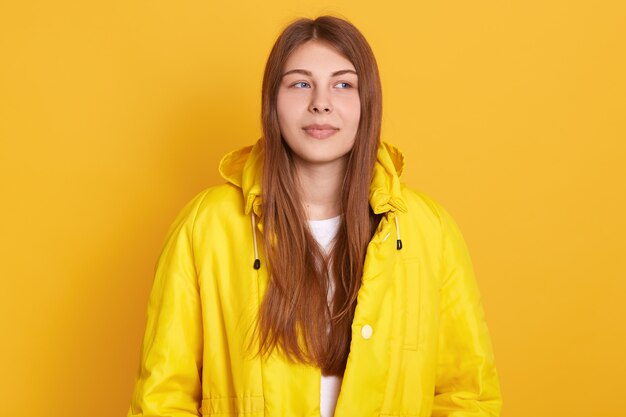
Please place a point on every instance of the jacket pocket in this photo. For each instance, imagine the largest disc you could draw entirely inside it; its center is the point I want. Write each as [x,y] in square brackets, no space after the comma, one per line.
[248,406]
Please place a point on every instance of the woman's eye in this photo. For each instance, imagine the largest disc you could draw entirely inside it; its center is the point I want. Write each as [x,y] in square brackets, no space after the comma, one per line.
[344,85]
[301,84]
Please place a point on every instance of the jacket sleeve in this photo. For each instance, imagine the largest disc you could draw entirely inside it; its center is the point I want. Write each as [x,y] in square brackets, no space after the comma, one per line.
[467,382]
[168,381]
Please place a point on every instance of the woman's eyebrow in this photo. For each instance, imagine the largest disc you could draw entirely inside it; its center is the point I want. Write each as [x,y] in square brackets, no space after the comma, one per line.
[305,72]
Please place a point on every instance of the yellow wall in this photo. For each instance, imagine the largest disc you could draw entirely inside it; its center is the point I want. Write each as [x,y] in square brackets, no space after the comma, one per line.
[113,114]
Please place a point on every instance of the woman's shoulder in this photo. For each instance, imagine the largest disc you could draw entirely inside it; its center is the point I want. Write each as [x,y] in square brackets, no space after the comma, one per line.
[420,203]
[425,209]
[218,198]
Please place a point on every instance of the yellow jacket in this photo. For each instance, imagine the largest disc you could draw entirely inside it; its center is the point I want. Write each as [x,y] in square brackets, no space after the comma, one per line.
[420,345]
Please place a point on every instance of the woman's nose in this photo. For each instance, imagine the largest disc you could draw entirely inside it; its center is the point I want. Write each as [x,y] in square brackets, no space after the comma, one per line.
[320,103]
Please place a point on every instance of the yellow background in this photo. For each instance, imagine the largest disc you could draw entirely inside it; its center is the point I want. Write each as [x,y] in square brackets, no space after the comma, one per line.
[113,114]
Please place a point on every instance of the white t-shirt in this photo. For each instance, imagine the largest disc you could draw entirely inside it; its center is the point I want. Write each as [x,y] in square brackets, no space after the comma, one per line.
[324,232]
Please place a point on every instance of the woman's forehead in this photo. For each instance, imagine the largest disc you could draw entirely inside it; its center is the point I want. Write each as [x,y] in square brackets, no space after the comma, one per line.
[315,56]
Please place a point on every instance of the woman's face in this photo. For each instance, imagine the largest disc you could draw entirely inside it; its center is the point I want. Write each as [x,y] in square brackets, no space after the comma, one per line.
[318,104]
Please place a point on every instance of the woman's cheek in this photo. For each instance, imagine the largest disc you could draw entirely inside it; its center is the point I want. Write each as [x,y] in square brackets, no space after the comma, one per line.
[290,103]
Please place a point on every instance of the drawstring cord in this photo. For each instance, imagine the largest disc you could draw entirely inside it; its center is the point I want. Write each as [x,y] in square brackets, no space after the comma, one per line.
[398,241]
[257,261]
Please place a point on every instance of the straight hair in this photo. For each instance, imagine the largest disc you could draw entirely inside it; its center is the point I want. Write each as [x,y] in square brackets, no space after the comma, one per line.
[295,315]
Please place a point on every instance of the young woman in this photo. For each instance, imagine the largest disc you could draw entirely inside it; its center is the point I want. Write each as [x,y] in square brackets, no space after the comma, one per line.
[314,282]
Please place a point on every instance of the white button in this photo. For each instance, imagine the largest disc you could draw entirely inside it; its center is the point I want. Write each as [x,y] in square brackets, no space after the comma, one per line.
[366,331]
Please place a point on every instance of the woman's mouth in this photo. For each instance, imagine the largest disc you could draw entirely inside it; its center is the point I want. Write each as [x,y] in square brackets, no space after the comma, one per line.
[320,131]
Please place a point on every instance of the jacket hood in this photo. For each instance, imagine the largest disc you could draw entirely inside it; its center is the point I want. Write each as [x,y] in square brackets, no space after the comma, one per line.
[244,169]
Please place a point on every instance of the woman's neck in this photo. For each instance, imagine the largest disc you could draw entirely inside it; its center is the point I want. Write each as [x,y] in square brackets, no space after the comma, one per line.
[320,188]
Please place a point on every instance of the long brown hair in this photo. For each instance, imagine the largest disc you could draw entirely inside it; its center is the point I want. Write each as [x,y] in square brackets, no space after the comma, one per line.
[295,312]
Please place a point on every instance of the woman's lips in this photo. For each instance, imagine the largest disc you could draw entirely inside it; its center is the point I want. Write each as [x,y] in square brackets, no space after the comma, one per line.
[320,131]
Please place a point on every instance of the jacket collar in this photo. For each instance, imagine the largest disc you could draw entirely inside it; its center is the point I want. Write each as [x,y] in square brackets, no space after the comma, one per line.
[244,169]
